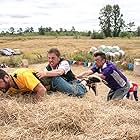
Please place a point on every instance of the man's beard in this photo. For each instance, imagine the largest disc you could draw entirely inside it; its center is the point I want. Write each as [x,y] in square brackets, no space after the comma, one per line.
[7,86]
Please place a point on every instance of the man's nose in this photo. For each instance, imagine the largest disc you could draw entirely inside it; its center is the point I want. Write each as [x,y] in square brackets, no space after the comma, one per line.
[50,59]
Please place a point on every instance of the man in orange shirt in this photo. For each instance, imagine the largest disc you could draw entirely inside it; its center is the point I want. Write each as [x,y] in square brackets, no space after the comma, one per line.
[22,80]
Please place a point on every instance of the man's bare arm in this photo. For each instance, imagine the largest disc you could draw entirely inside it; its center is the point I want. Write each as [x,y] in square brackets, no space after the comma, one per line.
[100,75]
[52,73]
[40,91]
[84,74]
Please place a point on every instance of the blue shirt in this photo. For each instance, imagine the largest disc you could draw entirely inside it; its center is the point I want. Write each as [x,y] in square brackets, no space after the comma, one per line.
[114,78]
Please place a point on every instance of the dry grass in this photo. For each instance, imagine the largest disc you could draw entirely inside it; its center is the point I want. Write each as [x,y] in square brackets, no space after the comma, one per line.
[66,45]
[70,118]
[60,117]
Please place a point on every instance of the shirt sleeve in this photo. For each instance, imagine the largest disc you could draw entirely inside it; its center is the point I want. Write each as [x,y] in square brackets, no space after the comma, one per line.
[64,65]
[30,80]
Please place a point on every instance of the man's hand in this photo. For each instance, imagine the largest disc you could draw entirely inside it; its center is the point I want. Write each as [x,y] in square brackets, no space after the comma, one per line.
[41,74]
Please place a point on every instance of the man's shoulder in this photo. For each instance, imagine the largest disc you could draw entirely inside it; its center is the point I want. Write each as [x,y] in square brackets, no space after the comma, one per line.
[64,62]
[110,64]
[21,72]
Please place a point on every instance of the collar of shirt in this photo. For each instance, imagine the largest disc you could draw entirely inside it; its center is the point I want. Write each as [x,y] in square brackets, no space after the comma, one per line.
[104,66]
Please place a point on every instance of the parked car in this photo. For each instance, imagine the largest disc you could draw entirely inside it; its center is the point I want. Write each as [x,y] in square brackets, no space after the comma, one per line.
[7,52]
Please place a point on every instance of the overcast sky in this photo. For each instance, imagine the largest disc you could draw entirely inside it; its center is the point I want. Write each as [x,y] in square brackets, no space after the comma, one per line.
[82,14]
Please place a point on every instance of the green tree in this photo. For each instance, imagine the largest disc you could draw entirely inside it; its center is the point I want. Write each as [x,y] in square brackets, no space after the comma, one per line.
[89,33]
[41,30]
[73,29]
[31,30]
[57,32]
[48,29]
[65,30]
[27,30]
[138,31]
[12,30]
[129,26]
[111,21]
[118,22]
[3,33]
[60,29]
[19,31]
[106,19]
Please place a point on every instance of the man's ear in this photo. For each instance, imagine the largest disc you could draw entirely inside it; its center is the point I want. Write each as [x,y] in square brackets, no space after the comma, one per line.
[104,60]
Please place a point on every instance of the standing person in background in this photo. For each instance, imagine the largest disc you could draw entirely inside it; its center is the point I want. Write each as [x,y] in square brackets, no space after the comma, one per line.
[61,75]
[114,79]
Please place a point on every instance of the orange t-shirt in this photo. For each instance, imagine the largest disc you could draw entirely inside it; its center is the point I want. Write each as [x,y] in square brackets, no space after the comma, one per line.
[24,79]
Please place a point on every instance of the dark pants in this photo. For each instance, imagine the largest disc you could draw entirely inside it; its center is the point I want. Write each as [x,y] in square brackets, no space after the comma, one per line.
[119,93]
[135,95]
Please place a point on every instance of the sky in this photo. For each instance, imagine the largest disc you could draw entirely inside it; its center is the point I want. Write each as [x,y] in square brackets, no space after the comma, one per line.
[82,14]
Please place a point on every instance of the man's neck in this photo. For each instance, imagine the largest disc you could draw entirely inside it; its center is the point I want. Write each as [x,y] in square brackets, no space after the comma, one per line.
[12,82]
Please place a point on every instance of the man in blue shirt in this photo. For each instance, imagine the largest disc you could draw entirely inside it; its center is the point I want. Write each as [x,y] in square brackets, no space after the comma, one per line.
[114,79]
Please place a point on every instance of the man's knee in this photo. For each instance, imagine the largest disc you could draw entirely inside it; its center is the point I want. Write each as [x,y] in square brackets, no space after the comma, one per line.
[57,81]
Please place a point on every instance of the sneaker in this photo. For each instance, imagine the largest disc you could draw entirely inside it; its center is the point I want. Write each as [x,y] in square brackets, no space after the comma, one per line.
[93,79]
[91,83]
[93,86]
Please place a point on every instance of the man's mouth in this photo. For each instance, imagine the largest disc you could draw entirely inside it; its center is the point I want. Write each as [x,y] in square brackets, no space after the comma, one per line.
[51,63]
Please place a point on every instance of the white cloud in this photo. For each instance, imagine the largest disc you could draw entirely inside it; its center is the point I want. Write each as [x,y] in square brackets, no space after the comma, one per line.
[82,14]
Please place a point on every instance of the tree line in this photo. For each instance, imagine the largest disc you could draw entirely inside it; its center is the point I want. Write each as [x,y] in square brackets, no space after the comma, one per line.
[111,23]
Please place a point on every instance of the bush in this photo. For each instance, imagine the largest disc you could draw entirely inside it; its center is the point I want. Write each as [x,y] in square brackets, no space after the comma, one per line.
[34,58]
[81,56]
[96,35]
[12,61]
[126,34]
[128,59]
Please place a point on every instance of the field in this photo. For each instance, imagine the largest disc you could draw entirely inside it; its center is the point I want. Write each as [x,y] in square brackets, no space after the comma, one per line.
[66,45]
[60,117]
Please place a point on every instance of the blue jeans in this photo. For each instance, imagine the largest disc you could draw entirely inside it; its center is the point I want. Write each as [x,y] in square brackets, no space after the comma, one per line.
[74,87]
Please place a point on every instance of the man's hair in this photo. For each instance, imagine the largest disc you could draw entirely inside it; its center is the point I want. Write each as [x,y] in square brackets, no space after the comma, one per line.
[103,56]
[2,73]
[55,51]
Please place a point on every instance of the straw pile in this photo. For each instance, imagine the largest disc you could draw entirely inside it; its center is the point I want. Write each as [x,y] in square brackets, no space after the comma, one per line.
[60,117]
